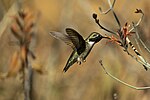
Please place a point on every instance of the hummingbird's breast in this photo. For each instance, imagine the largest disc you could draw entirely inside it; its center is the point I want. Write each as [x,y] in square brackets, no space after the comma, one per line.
[89,46]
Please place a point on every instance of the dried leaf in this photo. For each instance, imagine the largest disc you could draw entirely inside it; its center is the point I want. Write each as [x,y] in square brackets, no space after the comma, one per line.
[28,27]
[23,53]
[39,68]
[14,31]
[14,65]
[28,17]
[22,14]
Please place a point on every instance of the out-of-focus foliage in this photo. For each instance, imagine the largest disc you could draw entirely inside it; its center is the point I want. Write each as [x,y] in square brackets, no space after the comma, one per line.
[4,6]
[86,81]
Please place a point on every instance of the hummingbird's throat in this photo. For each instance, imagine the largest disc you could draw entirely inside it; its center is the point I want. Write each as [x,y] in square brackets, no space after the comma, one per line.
[80,60]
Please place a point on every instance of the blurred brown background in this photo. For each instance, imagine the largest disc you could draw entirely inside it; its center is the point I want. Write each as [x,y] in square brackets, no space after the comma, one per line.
[87,81]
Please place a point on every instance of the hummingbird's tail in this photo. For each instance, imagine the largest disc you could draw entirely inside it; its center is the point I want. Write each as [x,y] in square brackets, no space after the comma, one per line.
[65,69]
[68,65]
[72,59]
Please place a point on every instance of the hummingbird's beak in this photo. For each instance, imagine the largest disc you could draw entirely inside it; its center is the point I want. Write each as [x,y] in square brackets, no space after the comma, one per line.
[105,37]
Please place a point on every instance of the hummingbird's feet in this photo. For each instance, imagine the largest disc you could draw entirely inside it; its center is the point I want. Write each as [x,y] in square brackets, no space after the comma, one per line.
[80,60]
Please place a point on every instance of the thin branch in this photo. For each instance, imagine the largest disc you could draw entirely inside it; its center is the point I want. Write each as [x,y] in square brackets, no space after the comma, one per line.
[136,32]
[137,43]
[145,47]
[144,62]
[111,9]
[123,35]
[108,10]
[116,18]
[28,82]
[139,61]
[138,37]
[122,82]
[102,27]
[135,26]
[141,18]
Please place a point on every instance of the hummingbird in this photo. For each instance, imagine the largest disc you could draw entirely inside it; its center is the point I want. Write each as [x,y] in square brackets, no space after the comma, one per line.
[81,48]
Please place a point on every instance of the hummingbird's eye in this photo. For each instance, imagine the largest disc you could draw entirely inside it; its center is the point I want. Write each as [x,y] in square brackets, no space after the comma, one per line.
[95,35]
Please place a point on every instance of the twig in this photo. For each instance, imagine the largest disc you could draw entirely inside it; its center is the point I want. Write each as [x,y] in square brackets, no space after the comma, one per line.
[116,18]
[141,18]
[138,37]
[139,61]
[136,32]
[122,32]
[137,43]
[145,47]
[122,82]
[135,26]
[108,10]
[102,27]
[143,61]
[111,9]
[28,82]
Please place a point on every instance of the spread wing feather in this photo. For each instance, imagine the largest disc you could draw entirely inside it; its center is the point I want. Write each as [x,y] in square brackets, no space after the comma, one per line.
[76,39]
[72,38]
[63,37]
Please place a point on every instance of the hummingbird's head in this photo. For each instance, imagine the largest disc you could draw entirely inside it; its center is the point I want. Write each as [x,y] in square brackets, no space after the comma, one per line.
[95,37]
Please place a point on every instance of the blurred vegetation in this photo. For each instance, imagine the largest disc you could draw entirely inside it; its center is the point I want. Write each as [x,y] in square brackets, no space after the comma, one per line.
[87,81]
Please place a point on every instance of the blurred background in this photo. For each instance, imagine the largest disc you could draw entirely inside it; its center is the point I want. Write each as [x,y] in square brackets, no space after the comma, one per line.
[87,81]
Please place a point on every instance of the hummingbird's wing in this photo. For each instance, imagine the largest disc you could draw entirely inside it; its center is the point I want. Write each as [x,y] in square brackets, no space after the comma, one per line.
[63,37]
[77,40]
